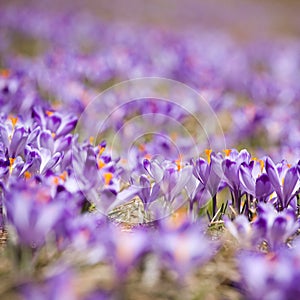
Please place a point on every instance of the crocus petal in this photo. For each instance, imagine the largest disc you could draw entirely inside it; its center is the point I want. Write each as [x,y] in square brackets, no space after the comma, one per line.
[263,187]
[45,140]
[247,179]
[290,182]
[274,177]
[18,141]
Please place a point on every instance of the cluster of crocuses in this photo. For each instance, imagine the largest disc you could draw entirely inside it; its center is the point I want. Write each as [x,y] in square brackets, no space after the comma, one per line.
[68,56]
[59,196]
[55,192]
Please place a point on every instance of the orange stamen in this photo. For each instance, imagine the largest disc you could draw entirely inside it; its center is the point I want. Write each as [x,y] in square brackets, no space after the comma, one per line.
[262,164]
[27,175]
[178,163]
[14,121]
[107,177]
[208,153]
[56,180]
[101,163]
[101,149]
[227,151]
[5,73]
[11,161]
[63,176]
[49,113]
[92,139]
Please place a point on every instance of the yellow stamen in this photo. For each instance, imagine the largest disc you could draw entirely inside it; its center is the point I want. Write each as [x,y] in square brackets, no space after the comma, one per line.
[27,175]
[92,139]
[11,162]
[53,134]
[14,121]
[227,151]
[262,164]
[107,177]
[178,163]
[56,180]
[254,218]
[289,165]
[101,163]
[63,176]
[208,153]
[101,149]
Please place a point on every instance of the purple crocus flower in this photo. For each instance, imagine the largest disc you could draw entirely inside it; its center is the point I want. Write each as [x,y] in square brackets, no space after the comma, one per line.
[273,227]
[13,136]
[59,286]
[183,248]
[32,212]
[171,178]
[59,124]
[147,193]
[286,191]
[208,176]
[269,276]
[126,249]
[240,228]
[253,182]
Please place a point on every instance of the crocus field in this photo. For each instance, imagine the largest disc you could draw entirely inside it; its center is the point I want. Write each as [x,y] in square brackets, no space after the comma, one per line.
[138,162]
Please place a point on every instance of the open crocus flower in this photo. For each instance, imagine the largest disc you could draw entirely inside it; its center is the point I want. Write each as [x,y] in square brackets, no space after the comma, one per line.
[40,160]
[170,177]
[184,247]
[57,123]
[273,227]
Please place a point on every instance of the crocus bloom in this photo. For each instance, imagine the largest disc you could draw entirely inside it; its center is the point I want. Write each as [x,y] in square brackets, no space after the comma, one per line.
[59,286]
[32,212]
[269,276]
[240,228]
[285,191]
[183,248]
[126,249]
[273,227]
